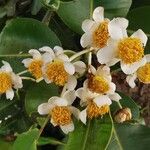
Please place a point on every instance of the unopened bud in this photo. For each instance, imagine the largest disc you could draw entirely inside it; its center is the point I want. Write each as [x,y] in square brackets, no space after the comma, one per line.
[123,115]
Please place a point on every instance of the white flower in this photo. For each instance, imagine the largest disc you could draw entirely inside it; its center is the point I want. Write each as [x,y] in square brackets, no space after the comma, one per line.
[60,111]
[98,30]
[128,50]
[59,69]
[97,93]
[142,73]
[9,80]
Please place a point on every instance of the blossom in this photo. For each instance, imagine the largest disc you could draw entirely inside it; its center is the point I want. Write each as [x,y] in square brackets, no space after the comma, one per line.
[60,70]
[128,50]
[97,30]
[142,73]
[9,80]
[61,111]
[97,93]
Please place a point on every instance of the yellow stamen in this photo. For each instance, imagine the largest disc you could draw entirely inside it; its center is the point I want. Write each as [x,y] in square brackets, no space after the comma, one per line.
[35,68]
[93,111]
[143,73]
[101,35]
[5,82]
[56,72]
[97,84]
[130,50]
[61,115]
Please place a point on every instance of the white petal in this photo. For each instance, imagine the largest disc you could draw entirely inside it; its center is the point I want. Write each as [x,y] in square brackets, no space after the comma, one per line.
[92,69]
[69,67]
[112,88]
[49,50]
[102,100]
[106,54]
[117,28]
[75,111]
[27,62]
[71,83]
[87,25]
[86,40]
[113,62]
[80,93]
[60,102]
[17,81]
[44,109]
[115,97]
[6,67]
[70,96]
[47,58]
[80,67]
[131,68]
[83,116]
[141,35]
[131,80]
[10,94]
[147,58]
[35,54]
[67,128]
[98,14]
[63,57]
[53,123]
[58,50]
[52,99]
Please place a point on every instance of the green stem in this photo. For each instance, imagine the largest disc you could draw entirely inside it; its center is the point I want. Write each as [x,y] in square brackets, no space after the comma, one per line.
[119,104]
[28,78]
[22,72]
[91,8]
[47,17]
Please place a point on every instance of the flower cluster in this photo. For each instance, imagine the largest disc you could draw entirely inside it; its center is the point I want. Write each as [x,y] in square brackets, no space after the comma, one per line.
[108,40]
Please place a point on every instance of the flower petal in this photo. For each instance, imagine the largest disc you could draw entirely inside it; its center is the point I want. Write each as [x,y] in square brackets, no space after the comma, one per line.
[102,100]
[27,62]
[87,25]
[131,80]
[92,69]
[112,88]
[70,96]
[6,67]
[60,102]
[71,83]
[80,93]
[67,128]
[117,28]
[63,57]
[35,53]
[75,111]
[17,81]
[115,97]
[10,94]
[53,123]
[58,50]
[47,58]
[80,67]
[69,67]
[147,58]
[83,116]
[131,68]
[141,35]
[98,14]
[44,109]
[86,40]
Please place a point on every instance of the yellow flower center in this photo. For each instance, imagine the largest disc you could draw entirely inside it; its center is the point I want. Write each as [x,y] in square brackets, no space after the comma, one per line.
[143,73]
[35,68]
[93,111]
[97,84]
[56,72]
[130,50]
[101,35]
[61,115]
[5,82]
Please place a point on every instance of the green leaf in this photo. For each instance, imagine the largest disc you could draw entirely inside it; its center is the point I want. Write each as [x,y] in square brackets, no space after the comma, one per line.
[20,35]
[39,93]
[5,145]
[130,137]
[27,140]
[36,6]
[74,12]
[127,101]
[93,136]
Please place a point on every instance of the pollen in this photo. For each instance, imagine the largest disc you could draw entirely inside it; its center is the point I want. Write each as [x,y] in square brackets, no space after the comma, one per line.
[130,50]
[93,111]
[97,84]
[35,68]
[101,35]
[61,115]
[56,72]
[5,82]
[143,73]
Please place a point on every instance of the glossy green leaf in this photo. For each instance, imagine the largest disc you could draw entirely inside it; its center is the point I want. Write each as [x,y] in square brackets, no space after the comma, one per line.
[20,35]
[27,140]
[74,12]
[130,137]
[39,93]
[93,136]
[5,145]
[127,101]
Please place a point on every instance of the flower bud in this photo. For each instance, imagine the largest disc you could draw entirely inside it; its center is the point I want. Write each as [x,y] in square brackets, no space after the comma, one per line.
[122,115]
